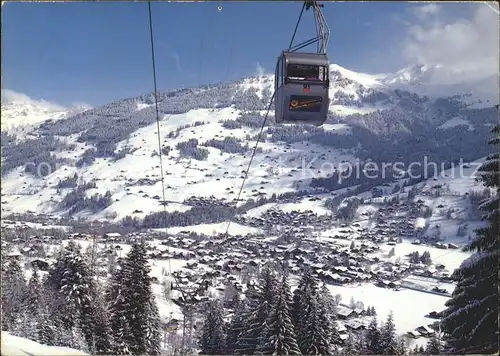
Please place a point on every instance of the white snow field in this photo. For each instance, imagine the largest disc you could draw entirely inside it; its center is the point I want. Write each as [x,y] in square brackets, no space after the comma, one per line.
[18,346]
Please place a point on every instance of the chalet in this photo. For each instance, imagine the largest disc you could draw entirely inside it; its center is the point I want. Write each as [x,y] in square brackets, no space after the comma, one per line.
[355,324]
[424,330]
[359,311]
[42,265]
[388,284]
[413,334]
[345,313]
[433,315]
[112,236]
[440,245]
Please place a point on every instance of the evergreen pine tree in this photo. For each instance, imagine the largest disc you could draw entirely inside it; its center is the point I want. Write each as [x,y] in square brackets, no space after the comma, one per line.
[388,342]
[315,340]
[470,320]
[118,315]
[401,348]
[371,311]
[29,315]
[297,302]
[245,342]
[282,339]
[98,319]
[314,330]
[373,338]
[350,345]
[433,345]
[14,292]
[329,310]
[212,341]
[328,300]
[47,321]
[236,327]
[134,315]
[74,287]
[361,343]
[255,337]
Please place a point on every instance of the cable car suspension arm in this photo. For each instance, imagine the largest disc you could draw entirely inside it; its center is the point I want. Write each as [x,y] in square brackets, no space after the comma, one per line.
[322,29]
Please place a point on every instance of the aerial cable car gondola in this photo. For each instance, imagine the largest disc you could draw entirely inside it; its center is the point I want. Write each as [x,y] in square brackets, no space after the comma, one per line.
[302,78]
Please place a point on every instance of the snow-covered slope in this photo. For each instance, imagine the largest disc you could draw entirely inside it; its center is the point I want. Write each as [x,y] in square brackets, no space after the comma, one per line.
[273,171]
[379,221]
[22,112]
[442,81]
[19,346]
[116,145]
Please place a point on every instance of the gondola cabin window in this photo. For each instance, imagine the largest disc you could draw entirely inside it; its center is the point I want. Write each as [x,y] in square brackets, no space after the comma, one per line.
[279,73]
[296,71]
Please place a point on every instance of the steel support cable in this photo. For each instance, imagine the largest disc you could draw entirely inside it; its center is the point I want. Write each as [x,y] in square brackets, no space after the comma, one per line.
[162,175]
[157,115]
[235,211]
[297,25]
[318,31]
[324,30]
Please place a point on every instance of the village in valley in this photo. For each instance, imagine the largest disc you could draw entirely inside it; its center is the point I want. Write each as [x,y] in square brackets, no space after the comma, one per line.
[396,250]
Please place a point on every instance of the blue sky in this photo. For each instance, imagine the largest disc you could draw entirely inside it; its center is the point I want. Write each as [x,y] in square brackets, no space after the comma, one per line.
[99,52]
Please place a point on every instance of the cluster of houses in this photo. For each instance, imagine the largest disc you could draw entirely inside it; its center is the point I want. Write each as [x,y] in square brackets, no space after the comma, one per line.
[206,201]
[275,217]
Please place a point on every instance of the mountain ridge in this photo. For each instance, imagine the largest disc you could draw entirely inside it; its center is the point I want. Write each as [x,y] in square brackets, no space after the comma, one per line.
[211,129]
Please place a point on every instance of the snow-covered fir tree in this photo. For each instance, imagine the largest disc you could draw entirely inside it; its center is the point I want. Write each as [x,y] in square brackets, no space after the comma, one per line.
[212,340]
[255,336]
[328,300]
[298,295]
[372,340]
[313,330]
[99,318]
[281,335]
[34,298]
[361,343]
[350,345]
[470,321]
[236,327]
[117,305]
[14,293]
[134,316]
[329,309]
[73,286]
[434,345]
[389,343]
[29,317]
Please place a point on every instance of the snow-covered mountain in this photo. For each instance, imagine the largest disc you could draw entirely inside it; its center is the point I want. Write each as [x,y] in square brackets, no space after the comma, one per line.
[21,113]
[442,81]
[111,152]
